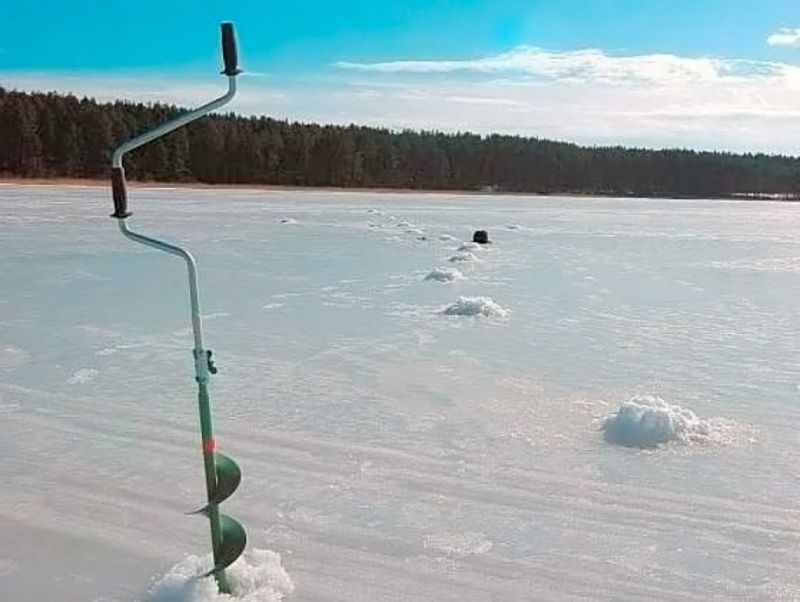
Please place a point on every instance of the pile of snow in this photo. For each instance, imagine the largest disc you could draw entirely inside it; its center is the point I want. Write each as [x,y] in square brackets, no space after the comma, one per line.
[469,247]
[445,275]
[288,220]
[649,421]
[255,577]
[447,237]
[414,231]
[463,256]
[476,306]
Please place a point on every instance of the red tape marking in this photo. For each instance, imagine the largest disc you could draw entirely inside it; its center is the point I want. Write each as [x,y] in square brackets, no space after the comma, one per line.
[209,445]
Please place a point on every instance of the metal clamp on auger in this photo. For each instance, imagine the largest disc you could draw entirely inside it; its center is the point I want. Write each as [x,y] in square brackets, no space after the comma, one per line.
[222,475]
[212,369]
[209,363]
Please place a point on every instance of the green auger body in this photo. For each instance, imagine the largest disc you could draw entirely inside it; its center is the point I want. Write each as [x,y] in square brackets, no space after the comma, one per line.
[228,537]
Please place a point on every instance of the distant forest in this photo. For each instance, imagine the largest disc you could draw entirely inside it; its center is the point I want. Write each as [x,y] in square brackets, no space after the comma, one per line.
[55,135]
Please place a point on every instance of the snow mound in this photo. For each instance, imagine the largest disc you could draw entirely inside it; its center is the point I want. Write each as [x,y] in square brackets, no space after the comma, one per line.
[469,247]
[288,220]
[462,256]
[255,577]
[445,275]
[476,306]
[649,421]
[447,237]
[414,231]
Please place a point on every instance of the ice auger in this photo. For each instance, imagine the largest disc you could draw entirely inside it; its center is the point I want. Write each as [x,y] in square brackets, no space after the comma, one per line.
[223,476]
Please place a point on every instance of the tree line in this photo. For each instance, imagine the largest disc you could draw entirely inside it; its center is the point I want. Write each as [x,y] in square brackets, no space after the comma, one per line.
[58,135]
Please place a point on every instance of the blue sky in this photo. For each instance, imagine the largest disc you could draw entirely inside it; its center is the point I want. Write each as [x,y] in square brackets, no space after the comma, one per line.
[697,73]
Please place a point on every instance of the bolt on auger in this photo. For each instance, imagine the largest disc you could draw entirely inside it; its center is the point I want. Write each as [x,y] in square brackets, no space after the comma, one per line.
[228,537]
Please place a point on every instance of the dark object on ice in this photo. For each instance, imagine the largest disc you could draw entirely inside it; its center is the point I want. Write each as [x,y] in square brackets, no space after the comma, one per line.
[481,237]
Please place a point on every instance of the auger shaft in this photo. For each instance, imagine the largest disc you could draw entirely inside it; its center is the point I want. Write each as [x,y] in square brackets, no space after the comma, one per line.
[209,463]
[222,475]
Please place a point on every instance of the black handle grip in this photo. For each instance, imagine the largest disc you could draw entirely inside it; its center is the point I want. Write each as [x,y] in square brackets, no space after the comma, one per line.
[229,55]
[120,194]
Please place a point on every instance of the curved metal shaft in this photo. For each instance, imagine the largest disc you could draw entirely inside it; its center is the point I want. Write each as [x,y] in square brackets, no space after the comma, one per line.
[116,160]
[201,365]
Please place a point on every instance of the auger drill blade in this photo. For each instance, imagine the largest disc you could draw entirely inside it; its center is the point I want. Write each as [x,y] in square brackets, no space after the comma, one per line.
[234,540]
[229,475]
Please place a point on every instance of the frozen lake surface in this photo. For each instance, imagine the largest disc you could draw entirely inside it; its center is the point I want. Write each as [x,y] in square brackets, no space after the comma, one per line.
[403,438]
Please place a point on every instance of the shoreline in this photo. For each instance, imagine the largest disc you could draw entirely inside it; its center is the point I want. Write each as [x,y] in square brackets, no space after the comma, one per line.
[99,183]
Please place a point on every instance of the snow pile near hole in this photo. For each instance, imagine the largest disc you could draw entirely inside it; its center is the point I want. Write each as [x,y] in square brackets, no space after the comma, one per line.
[445,275]
[463,256]
[649,421]
[476,306]
[470,247]
[255,577]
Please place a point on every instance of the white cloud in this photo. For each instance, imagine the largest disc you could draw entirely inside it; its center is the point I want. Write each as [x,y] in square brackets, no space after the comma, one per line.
[786,36]
[583,65]
[586,96]
[594,97]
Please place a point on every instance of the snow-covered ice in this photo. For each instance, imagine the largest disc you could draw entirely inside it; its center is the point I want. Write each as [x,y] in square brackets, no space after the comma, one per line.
[390,452]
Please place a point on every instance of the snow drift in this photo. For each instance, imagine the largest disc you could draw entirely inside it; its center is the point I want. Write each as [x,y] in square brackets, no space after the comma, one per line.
[476,306]
[445,275]
[468,247]
[649,421]
[463,256]
[255,577]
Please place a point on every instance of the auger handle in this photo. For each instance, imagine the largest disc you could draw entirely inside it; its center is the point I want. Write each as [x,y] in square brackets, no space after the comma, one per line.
[119,193]
[229,54]
[118,187]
